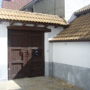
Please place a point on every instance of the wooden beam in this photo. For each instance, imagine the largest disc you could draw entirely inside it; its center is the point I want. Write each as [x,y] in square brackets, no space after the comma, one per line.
[29,28]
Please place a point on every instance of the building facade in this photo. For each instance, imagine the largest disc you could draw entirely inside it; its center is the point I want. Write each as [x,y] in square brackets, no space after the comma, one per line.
[24,43]
[70,51]
[55,7]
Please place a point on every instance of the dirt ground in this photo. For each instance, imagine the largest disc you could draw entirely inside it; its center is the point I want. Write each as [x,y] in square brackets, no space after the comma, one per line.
[37,83]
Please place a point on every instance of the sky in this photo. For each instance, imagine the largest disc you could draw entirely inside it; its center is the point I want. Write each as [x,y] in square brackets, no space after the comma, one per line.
[0,3]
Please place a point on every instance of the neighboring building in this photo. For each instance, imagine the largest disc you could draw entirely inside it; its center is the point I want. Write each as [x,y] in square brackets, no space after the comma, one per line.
[14,4]
[55,7]
[70,51]
[62,8]
[24,45]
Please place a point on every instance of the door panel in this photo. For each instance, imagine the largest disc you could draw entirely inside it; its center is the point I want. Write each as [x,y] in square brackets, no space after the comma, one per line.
[26,54]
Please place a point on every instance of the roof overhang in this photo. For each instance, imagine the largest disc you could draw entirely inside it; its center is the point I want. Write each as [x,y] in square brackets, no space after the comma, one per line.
[28,17]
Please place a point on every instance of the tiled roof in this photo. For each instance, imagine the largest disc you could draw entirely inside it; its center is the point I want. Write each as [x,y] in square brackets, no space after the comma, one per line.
[16,15]
[85,9]
[78,30]
[15,4]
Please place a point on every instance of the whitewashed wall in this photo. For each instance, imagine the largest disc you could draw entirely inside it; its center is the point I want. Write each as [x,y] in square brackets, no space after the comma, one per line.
[48,36]
[4,48]
[71,62]
[72,5]
[72,53]
[3,52]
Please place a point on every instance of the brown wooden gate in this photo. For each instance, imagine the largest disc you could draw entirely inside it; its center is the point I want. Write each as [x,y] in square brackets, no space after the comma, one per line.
[25,53]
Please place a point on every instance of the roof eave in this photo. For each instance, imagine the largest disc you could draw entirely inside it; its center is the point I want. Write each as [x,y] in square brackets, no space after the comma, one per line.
[82,12]
[32,22]
[70,40]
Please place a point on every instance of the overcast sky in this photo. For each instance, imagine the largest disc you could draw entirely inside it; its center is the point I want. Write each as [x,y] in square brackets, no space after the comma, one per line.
[0,3]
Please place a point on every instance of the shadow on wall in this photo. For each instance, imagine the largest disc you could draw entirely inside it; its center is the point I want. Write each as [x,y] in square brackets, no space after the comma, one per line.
[78,76]
[41,83]
[31,69]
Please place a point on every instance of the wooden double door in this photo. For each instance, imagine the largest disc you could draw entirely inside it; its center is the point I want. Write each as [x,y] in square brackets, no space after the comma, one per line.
[25,53]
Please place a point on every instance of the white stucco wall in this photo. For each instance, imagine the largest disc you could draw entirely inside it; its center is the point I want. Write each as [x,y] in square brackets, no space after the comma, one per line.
[71,62]
[4,48]
[47,37]
[3,52]
[72,5]
[72,53]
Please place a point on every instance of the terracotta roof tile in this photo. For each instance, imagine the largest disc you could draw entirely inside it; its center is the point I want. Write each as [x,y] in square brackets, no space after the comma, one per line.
[16,15]
[78,30]
[85,9]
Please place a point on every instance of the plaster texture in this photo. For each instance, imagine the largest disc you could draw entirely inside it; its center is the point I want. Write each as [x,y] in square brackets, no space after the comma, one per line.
[3,51]
[71,62]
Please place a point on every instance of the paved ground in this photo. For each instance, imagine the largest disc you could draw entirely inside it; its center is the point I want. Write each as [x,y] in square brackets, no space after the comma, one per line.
[39,83]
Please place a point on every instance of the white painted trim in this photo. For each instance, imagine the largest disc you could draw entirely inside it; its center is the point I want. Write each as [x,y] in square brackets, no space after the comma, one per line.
[4,51]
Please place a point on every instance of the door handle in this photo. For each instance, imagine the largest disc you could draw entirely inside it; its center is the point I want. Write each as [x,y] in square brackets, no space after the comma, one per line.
[37,52]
